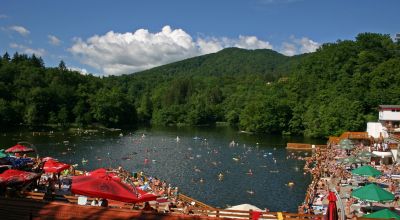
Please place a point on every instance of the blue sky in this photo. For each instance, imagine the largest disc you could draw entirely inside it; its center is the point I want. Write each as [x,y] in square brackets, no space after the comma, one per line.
[116,37]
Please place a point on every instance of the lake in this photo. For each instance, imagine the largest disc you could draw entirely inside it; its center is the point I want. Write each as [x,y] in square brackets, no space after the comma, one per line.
[192,162]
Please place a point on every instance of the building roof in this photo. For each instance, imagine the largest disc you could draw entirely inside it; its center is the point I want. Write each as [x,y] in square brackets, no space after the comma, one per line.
[389,106]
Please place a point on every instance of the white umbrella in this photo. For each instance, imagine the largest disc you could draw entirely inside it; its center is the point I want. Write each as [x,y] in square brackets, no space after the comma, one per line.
[244,207]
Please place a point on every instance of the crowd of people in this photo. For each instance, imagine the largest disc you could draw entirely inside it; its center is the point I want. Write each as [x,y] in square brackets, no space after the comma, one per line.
[332,172]
[53,184]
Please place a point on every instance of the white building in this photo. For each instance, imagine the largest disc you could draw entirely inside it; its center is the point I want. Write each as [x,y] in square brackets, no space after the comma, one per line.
[389,121]
[397,37]
[389,116]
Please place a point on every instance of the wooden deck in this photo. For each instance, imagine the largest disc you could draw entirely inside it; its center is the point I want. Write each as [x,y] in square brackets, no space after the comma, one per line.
[21,209]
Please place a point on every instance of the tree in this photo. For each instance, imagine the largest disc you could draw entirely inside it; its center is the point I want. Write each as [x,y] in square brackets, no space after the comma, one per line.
[62,66]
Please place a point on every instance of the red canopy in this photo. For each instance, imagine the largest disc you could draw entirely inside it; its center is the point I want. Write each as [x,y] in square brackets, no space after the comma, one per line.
[47,158]
[15,177]
[102,172]
[19,149]
[332,213]
[52,166]
[104,187]
[145,196]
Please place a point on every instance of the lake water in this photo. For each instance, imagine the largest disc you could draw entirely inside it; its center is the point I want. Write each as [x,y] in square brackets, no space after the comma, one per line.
[186,162]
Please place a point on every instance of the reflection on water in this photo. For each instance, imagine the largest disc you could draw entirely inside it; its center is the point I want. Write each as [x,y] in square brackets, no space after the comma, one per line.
[218,166]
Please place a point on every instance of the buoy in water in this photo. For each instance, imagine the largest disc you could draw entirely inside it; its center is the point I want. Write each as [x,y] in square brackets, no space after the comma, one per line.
[146,161]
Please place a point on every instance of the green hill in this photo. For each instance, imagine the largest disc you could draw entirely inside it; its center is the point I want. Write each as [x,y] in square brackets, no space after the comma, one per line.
[334,89]
[228,62]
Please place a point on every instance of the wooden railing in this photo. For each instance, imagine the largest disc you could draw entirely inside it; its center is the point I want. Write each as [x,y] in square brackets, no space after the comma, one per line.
[354,135]
[242,214]
[189,200]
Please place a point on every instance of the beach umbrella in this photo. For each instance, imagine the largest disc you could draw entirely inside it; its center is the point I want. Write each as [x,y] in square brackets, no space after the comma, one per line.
[366,170]
[19,149]
[18,162]
[102,171]
[52,166]
[364,154]
[47,158]
[346,146]
[244,207]
[13,177]
[4,161]
[351,160]
[384,213]
[105,186]
[3,154]
[145,196]
[332,213]
[345,141]
[372,193]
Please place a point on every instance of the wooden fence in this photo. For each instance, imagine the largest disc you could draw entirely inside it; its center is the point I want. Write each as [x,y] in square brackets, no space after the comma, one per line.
[302,146]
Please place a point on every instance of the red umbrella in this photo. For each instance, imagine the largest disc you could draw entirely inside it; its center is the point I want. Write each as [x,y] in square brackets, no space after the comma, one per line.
[52,166]
[145,196]
[19,149]
[15,177]
[332,210]
[104,187]
[102,172]
[47,158]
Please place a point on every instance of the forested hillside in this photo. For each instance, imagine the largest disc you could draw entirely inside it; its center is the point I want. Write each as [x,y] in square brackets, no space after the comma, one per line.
[334,89]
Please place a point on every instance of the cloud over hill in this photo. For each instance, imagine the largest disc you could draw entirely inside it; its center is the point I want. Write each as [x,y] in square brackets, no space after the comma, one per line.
[118,53]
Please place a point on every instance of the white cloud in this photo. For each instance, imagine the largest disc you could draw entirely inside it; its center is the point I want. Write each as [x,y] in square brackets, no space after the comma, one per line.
[308,45]
[82,71]
[53,40]
[298,46]
[289,49]
[119,53]
[2,16]
[27,50]
[21,30]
